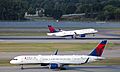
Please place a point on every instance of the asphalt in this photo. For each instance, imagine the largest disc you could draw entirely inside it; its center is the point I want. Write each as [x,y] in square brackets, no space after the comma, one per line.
[48,39]
[79,68]
[107,53]
[68,69]
[109,35]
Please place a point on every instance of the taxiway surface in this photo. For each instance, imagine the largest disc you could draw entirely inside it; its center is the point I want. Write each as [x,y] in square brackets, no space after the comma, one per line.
[68,69]
[115,38]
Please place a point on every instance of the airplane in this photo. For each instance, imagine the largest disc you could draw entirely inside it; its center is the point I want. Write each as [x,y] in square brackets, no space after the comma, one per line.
[56,61]
[73,33]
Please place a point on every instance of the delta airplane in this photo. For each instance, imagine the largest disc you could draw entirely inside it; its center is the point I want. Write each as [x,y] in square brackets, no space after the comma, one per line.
[72,33]
[59,61]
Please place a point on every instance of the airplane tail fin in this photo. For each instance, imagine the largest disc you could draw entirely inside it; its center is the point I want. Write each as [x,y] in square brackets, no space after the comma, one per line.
[51,29]
[99,49]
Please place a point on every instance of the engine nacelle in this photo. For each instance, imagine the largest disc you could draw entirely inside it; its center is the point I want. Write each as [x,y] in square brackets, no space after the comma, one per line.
[54,66]
[82,35]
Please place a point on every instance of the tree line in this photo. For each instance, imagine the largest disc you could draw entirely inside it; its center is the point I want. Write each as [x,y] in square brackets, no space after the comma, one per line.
[95,9]
[12,9]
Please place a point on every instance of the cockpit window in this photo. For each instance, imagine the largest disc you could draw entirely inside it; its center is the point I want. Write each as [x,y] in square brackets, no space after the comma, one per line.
[15,59]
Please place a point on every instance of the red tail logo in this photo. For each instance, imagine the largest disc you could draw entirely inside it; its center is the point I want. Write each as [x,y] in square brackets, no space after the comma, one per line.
[52,29]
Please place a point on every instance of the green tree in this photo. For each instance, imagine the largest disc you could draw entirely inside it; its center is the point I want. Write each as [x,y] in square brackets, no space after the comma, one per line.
[115,3]
[57,14]
[109,12]
[15,9]
[71,9]
[48,12]
[31,10]
[117,13]
[12,9]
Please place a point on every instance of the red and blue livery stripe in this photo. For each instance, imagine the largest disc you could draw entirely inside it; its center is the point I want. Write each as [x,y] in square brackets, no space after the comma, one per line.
[52,29]
[99,49]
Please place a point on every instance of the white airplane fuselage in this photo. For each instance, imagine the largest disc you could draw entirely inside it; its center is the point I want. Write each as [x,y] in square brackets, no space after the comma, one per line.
[73,32]
[59,59]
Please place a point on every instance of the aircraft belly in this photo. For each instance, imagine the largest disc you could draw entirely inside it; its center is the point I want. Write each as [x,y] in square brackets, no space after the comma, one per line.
[50,34]
[65,61]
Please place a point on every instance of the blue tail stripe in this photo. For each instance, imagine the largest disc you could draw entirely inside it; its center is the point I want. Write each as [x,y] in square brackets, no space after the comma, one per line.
[104,42]
[94,53]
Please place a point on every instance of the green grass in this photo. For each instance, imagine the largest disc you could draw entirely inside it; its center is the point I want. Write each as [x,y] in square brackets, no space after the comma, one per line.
[33,33]
[41,33]
[22,34]
[116,33]
[4,62]
[109,61]
[40,47]
[58,27]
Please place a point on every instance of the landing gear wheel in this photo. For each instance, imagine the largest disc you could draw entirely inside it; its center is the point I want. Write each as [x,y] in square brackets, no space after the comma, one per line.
[22,67]
[93,34]
[74,37]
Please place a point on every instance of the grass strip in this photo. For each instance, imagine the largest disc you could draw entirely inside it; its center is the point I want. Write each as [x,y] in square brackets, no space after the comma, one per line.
[43,47]
[107,61]
[22,34]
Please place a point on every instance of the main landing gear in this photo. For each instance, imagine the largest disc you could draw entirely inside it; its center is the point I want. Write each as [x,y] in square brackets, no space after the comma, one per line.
[93,34]
[22,67]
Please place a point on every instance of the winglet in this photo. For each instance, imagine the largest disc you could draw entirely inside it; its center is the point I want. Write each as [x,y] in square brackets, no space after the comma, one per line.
[99,49]
[56,52]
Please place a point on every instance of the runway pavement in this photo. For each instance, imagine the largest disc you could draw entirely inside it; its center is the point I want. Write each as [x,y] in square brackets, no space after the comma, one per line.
[48,39]
[114,38]
[56,41]
[111,35]
[101,35]
[68,69]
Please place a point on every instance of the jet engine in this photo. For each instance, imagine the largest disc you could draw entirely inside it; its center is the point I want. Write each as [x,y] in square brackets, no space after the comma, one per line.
[82,35]
[55,66]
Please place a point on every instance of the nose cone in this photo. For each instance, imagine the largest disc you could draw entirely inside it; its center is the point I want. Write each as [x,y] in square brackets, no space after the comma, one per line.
[12,62]
[49,34]
[96,30]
